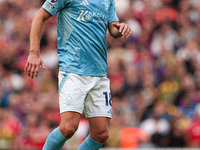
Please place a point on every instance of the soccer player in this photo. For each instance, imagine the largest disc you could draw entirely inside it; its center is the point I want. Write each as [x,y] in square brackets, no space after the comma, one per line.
[83,82]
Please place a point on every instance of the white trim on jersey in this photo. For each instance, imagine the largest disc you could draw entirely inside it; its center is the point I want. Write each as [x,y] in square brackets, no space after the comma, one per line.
[84,2]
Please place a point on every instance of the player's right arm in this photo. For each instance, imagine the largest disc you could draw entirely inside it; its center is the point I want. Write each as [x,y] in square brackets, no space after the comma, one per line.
[34,60]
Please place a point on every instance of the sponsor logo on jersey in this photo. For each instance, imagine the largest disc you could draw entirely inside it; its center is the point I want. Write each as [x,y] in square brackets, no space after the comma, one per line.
[50,6]
[87,16]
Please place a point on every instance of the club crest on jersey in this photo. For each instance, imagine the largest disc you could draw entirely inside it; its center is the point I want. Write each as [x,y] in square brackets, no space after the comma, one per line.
[106,3]
[54,1]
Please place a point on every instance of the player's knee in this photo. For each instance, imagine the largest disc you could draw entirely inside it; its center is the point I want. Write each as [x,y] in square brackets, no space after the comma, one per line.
[68,130]
[104,136]
[101,137]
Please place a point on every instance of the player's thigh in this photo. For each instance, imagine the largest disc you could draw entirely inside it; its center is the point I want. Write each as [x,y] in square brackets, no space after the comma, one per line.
[99,128]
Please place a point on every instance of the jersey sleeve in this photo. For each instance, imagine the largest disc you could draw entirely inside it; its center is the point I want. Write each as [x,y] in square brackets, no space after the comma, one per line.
[112,16]
[53,6]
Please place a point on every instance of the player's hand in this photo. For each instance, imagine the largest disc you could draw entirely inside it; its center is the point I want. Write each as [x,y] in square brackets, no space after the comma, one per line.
[33,64]
[123,29]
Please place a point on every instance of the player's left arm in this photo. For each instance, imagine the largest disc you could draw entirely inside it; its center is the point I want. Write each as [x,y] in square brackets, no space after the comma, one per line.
[118,30]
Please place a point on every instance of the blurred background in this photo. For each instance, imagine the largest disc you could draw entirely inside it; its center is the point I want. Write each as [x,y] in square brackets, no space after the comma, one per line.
[155,77]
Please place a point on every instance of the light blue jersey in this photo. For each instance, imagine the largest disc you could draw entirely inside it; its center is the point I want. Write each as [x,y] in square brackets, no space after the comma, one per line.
[81,27]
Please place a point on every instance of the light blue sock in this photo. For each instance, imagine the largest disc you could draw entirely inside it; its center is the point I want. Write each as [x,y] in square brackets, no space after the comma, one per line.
[90,144]
[55,140]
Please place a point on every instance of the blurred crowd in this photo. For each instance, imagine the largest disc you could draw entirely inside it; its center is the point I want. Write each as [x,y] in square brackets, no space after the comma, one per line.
[155,77]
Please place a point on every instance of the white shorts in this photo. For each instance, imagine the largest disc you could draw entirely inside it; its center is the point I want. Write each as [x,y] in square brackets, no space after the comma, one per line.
[88,93]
